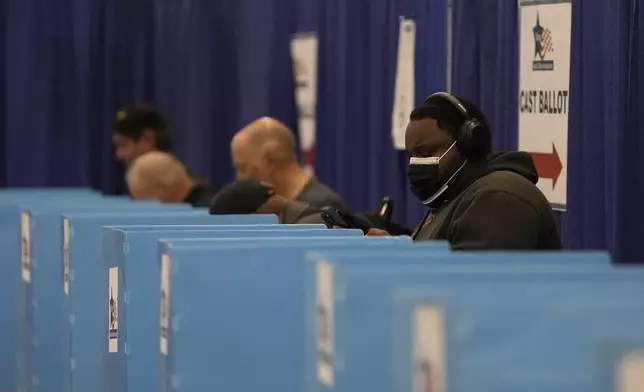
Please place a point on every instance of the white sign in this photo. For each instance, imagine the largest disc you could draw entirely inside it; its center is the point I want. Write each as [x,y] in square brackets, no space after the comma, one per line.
[429,350]
[630,373]
[543,93]
[304,53]
[404,93]
[25,246]
[113,310]
[165,303]
[325,324]
[66,256]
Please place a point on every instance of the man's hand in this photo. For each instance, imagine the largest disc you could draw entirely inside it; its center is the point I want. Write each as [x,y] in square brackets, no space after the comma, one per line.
[377,233]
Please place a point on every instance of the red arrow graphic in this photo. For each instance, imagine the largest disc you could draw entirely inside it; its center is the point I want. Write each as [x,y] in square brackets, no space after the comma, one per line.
[309,157]
[548,164]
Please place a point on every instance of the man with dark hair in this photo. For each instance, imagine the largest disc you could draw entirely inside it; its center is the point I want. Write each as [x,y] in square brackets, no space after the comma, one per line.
[254,197]
[477,200]
[139,129]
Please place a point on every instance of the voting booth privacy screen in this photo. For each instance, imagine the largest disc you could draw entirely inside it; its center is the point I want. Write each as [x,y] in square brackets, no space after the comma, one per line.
[113,295]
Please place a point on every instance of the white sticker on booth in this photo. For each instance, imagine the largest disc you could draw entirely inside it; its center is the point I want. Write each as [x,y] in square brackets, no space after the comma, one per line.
[429,349]
[113,310]
[325,324]
[25,246]
[165,303]
[66,255]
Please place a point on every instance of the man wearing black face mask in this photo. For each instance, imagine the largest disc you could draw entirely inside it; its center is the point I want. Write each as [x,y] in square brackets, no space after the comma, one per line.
[477,200]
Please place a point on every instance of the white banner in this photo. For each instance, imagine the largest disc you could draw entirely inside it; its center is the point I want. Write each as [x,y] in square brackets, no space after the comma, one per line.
[543,93]
[404,98]
[304,53]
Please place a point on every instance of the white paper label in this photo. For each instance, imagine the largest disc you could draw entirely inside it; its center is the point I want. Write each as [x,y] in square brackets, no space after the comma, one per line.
[113,316]
[25,247]
[165,303]
[325,324]
[404,90]
[304,53]
[429,350]
[66,256]
[630,374]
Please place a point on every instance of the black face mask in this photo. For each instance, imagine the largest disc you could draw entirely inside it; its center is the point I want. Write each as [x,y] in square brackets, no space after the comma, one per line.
[424,177]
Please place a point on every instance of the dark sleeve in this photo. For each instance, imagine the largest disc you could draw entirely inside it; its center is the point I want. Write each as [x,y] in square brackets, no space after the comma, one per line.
[495,220]
[332,199]
[376,221]
[310,219]
[323,197]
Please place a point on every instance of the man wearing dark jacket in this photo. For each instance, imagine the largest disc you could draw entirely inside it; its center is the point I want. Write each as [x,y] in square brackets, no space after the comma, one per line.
[255,197]
[477,200]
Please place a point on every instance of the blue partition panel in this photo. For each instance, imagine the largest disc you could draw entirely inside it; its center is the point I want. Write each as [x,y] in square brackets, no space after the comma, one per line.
[541,333]
[12,193]
[131,365]
[276,226]
[88,281]
[10,201]
[40,291]
[34,241]
[359,356]
[246,301]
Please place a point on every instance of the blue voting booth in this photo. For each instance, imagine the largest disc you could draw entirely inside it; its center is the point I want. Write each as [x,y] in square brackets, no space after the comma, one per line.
[10,239]
[258,289]
[114,295]
[360,356]
[131,254]
[519,334]
[41,283]
[88,282]
[16,276]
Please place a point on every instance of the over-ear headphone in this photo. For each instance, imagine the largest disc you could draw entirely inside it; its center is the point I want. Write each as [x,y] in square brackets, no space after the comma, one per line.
[472,136]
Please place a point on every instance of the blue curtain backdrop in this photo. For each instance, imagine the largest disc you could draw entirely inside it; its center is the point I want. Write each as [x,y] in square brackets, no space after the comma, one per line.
[2,92]
[606,136]
[213,66]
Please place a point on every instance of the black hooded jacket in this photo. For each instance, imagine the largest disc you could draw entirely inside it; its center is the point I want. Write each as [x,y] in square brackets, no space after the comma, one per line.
[493,205]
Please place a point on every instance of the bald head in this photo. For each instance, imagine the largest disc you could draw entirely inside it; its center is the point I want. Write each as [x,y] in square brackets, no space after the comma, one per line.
[158,176]
[263,146]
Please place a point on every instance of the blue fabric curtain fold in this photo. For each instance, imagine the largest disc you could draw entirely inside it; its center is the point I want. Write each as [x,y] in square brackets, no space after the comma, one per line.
[605,139]
[358,51]
[485,63]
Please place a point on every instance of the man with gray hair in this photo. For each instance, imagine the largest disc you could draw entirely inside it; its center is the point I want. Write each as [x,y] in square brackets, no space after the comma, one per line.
[160,176]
